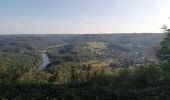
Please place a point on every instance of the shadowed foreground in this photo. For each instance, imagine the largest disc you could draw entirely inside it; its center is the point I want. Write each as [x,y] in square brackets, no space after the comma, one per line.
[97,88]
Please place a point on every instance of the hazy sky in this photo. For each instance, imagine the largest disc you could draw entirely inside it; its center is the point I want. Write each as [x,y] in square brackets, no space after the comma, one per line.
[82,16]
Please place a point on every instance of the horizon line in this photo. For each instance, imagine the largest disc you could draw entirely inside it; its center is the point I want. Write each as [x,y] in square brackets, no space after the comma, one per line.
[80,33]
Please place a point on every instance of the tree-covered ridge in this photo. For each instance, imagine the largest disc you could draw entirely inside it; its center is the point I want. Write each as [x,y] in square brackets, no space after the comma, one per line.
[94,67]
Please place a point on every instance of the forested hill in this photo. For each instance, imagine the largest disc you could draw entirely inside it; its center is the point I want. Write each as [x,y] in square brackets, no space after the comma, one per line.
[41,41]
[81,66]
[132,38]
[141,38]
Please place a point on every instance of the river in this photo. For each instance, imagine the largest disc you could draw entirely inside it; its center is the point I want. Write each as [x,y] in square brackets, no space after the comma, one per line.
[45,60]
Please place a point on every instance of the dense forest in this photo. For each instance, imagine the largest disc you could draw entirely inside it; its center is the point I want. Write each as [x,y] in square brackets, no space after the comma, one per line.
[85,67]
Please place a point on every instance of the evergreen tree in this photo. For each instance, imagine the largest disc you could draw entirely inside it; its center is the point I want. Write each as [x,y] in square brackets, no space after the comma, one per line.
[163,54]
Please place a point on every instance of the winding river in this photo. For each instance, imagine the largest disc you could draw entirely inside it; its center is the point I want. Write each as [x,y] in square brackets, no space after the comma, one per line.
[45,59]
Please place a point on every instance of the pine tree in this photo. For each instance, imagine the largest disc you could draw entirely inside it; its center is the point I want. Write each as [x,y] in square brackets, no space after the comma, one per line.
[163,54]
